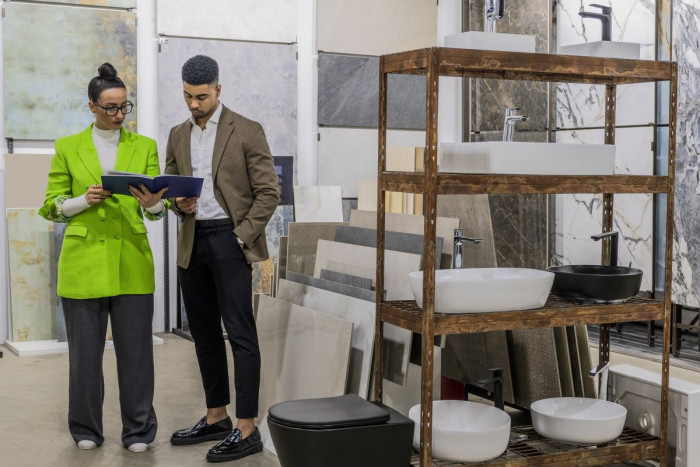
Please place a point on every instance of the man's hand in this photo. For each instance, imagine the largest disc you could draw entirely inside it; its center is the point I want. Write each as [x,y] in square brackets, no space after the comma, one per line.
[145,197]
[96,194]
[186,205]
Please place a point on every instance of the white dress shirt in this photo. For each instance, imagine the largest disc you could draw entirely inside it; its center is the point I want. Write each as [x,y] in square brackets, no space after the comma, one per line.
[202,153]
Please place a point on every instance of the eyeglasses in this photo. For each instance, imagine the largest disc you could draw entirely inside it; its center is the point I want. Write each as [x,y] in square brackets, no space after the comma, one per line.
[112,110]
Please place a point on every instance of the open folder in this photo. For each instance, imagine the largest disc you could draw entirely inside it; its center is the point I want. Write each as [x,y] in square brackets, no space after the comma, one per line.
[179,186]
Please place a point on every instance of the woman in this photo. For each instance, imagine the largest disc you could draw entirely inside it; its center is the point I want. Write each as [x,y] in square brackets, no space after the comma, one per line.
[106,266]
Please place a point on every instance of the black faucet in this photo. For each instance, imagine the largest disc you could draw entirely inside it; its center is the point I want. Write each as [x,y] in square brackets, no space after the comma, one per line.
[613,244]
[497,380]
[605,17]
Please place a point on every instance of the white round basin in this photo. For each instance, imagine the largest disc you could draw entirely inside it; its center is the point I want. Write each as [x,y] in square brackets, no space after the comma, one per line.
[465,431]
[578,420]
[482,290]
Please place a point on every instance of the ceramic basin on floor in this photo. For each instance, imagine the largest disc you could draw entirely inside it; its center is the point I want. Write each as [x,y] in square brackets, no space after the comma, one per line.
[594,283]
[578,420]
[482,290]
[605,49]
[465,431]
[491,41]
[501,157]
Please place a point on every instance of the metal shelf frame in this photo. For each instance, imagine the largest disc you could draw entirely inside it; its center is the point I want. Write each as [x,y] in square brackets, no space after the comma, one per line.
[439,61]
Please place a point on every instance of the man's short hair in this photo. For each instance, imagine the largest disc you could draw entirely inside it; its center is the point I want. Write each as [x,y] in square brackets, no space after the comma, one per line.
[200,69]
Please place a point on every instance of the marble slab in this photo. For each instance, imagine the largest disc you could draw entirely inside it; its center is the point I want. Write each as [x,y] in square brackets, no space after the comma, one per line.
[262,276]
[32,283]
[318,204]
[243,20]
[533,365]
[347,156]
[337,287]
[258,81]
[412,224]
[59,228]
[362,261]
[25,180]
[304,353]
[349,279]
[348,94]
[67,44]
[368,27]
[302,244]
[395,241]
[361,313]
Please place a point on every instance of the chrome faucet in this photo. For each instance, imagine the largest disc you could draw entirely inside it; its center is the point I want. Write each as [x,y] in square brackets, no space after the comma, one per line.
[493,11]
[613,244]
[457,250]
[510,121]
[605,17]
[602,368]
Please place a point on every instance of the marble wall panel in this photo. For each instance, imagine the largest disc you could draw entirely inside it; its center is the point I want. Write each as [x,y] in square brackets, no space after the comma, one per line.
[579,216]
[686,264]
[258,81]
[303,242]
[32,284]
[368,27]
[277,228]
[50,54]
[318,204]
[243,20]
[359,312]
[304,353]
[347,156]
[348,94]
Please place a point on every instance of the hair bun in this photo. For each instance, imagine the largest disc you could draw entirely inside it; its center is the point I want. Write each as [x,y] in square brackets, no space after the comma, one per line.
[107,71]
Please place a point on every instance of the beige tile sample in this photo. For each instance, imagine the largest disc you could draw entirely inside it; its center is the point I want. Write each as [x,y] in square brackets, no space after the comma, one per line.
[362,261]
[360,312]
[32,282]
[370,27]
[25,179]
[304,353]
[302,243]
[584,355]
[566,379]
[318,204]
[402,398]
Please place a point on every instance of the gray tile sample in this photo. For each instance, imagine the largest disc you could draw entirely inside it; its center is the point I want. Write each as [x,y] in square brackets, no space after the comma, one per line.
[349,279]
[337,287]
[348,205]
[303,242]
[576,370]
[395,241]
[566,379]
[402,397]
[59,228]
[304,353]
[533,365]
[282,256]
[361,313]
[584,354]
[348,94]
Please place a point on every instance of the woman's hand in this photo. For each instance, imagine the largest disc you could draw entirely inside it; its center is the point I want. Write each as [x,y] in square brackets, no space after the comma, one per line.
[145,198]
[96,194]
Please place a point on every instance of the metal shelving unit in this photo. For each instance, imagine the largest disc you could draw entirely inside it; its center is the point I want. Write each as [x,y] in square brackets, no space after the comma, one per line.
[435,62]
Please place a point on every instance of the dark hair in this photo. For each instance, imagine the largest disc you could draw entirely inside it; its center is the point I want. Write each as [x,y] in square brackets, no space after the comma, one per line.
[107,79]
[200,69]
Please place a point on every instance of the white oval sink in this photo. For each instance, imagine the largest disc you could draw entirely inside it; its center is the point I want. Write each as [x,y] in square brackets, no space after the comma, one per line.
[578,420]
[465,431]
[482,290]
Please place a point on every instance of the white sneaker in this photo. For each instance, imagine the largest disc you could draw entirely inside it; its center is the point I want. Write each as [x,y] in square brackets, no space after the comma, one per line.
[87,444]
[138,447]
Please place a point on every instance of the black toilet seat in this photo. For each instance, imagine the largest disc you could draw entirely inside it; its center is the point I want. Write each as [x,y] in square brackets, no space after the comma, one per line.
[345,411]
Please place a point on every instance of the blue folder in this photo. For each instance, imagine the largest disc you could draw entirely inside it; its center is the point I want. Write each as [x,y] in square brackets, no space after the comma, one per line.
[179,186]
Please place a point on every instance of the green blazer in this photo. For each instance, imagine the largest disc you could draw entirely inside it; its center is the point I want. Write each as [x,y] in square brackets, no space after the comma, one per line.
[105,248]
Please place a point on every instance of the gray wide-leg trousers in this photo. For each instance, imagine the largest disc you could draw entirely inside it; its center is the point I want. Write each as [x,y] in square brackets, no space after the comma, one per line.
[86,327]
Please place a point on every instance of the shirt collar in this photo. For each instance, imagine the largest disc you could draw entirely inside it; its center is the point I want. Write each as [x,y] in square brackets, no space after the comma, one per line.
[216,116]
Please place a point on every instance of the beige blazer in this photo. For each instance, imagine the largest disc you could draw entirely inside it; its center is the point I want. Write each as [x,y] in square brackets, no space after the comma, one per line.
[245,181]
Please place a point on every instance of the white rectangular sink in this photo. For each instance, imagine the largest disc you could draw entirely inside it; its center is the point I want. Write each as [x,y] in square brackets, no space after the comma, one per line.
[498,157]
[491,41]
[605,49]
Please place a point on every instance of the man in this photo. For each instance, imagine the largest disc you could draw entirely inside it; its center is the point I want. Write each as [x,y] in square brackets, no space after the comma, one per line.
[222,232]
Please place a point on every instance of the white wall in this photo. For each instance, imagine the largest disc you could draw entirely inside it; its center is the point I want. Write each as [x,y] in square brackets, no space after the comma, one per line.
[307,94]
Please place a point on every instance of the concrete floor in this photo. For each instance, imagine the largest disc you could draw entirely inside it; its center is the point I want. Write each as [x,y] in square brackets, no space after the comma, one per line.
[34,407]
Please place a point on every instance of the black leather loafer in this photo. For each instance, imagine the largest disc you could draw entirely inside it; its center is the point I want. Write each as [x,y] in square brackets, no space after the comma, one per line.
[202,432]
[234,447]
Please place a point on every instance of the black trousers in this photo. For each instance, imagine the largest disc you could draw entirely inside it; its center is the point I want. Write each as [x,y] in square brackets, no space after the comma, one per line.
[218,285]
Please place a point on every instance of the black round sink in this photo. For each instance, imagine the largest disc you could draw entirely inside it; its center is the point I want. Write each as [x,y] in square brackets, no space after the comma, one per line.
[595,283]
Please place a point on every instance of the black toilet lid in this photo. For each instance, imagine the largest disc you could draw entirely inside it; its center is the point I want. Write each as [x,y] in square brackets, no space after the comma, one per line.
[330,412]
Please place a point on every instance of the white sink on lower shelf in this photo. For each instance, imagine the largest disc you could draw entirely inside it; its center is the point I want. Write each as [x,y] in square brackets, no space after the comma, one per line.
[491,41]
[500,157]
[483,290]
[578,420]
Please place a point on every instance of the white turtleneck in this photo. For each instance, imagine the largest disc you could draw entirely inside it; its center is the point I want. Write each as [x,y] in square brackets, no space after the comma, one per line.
[106,143]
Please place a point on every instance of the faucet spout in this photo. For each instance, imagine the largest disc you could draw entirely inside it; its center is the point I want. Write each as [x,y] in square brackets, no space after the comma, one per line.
[605,18]
[510,121]
[601,369]
[459,239]
[493,11]
[613,244]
